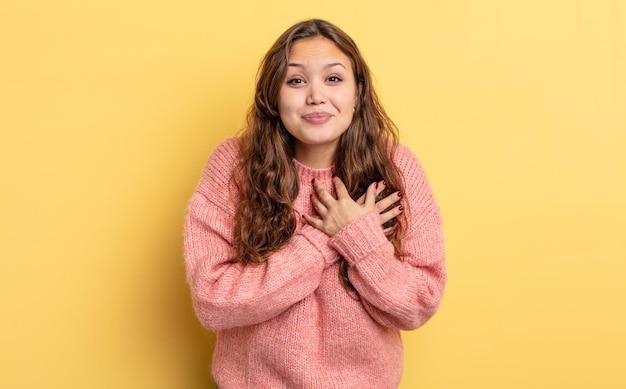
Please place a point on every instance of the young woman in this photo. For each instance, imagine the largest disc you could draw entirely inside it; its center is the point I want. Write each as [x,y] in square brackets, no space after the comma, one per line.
[313,238]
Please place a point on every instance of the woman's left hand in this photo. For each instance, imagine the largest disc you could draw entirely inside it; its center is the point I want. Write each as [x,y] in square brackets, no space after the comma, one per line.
[336,213]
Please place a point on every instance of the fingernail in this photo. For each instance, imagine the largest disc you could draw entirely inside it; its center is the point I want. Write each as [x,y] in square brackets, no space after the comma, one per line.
[400,208]
[377,185]
[384,183]
[399,194]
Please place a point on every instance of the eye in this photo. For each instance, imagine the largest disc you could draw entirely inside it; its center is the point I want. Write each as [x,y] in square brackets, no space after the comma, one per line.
[295,81]
[334,79]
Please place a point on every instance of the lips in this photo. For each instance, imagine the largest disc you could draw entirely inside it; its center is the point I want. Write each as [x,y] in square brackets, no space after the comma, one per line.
[317,117]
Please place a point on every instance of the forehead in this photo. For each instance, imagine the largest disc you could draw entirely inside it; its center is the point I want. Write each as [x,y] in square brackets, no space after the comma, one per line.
[317,51]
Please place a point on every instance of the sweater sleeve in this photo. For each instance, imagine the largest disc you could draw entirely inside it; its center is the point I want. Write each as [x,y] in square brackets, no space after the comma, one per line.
[227,293]
[400,292]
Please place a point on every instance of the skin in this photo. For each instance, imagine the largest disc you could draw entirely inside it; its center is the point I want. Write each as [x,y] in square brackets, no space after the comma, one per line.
[336,213]
[316,105]
[317,99]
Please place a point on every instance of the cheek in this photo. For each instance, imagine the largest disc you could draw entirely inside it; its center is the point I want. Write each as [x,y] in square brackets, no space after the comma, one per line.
[286,103]
[350,96]
[348,101]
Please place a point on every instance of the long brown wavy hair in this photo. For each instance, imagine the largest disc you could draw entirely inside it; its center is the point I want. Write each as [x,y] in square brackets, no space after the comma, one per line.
[267,177]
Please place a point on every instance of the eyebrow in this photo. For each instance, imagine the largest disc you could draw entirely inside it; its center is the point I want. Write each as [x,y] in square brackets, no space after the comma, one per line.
[330,65]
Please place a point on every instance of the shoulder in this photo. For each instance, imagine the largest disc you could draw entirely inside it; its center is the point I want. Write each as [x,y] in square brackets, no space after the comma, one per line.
[416,185]
[219,169]
[227,153]
[407,162]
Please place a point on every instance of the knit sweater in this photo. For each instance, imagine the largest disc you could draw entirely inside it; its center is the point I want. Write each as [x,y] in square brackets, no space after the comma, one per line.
[289,322]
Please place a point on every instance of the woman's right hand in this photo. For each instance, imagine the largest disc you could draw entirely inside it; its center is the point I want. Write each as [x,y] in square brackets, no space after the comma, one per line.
[383,206]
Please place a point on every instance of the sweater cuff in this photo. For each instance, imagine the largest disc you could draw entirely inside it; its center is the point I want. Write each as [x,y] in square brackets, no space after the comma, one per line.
[320,241]
[359,238]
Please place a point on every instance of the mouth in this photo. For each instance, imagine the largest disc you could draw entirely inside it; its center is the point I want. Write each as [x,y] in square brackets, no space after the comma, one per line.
[317,117]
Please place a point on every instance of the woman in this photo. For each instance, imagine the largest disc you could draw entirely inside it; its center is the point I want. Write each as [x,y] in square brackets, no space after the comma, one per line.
[313,238]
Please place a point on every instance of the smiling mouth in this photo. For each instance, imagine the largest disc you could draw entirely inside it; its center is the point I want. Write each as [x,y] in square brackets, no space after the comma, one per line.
[317,117]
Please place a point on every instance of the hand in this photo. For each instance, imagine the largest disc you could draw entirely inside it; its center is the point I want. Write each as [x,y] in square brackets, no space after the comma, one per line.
[337,213]
[388,207]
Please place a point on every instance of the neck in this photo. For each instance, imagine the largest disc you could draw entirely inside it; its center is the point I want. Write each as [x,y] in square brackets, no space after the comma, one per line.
[315,157]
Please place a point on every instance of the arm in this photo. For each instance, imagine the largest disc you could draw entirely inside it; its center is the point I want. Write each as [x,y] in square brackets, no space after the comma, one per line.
[398,292]
[227,293]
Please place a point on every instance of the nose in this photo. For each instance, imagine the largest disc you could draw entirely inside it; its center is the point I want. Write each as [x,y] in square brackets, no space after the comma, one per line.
[316,94]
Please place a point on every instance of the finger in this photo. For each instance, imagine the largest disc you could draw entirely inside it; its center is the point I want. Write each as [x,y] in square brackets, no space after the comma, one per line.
[318,206]
[322,194]
[340,188]
[315,222]
[361,200]
[370,196]
[388,201]
[392,213]
[389,230]
[381,185]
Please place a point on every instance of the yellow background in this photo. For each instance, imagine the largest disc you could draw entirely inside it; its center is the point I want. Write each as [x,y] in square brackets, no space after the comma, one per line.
[109,109]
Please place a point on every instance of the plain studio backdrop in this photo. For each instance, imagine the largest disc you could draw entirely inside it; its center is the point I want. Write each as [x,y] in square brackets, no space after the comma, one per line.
[109,110]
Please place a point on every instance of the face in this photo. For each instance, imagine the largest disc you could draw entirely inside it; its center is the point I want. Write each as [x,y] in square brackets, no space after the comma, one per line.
[317,99]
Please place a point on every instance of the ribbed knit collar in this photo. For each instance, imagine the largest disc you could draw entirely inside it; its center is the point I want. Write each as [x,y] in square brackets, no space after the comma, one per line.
[306,174]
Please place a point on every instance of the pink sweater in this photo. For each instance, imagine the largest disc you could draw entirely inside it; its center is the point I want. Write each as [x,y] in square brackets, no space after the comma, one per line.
[289,322]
